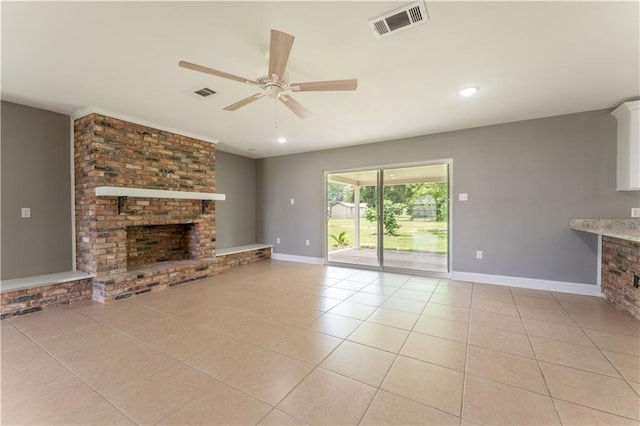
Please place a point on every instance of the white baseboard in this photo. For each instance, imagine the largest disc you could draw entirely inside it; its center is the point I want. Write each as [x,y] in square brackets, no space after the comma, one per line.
[532,283]
[299,259]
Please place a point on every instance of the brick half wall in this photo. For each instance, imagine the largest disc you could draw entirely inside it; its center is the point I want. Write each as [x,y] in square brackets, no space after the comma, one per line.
[229,261]
[36,299]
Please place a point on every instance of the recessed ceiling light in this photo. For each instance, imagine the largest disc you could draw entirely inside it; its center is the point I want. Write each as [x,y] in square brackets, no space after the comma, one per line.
[281,140]
[469,91]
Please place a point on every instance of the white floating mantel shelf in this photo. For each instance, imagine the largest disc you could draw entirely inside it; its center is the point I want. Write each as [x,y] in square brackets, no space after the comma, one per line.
[123,192]
[118,191]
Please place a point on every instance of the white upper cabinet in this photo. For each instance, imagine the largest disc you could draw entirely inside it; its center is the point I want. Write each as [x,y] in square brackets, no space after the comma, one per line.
[628,116]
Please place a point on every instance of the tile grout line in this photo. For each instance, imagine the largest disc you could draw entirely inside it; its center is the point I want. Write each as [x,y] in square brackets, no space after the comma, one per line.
[178,361]
[538,362]
[181,362]
[627,381]
[379,388]
[537,359]
[595,345]
[67,368]
[624,378]
[397,354]
[594,409]
[318,365]
[466,357]
[315,367]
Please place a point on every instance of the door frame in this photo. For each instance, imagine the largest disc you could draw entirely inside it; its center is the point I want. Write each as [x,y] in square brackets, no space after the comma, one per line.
[380,248]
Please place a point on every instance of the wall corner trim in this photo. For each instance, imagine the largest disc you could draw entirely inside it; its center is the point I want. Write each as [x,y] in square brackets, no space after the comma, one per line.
[94,110]
[299,259]
[531,283]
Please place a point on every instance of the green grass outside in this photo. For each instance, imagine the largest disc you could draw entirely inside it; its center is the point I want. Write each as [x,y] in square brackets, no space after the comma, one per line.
[413,235]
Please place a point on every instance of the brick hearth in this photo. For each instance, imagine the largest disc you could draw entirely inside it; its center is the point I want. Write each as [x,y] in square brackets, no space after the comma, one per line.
[113,152]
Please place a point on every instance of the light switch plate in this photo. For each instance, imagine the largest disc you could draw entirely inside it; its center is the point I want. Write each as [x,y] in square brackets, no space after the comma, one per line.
[293,201]
[463,196]
[26,212]
[635,212]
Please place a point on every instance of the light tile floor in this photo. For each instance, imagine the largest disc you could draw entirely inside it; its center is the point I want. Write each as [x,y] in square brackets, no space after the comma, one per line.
[285,343]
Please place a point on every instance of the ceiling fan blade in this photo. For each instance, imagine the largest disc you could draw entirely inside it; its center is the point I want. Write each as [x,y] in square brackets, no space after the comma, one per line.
[243,102]
[279,51]
[294,106]
[322,86]
[207,70]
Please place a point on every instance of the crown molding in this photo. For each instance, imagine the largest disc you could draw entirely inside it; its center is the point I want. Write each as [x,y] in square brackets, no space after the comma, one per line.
[94,110]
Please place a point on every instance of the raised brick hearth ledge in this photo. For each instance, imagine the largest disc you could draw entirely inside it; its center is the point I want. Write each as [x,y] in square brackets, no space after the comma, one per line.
[152,277]
[235,256]
[34,294]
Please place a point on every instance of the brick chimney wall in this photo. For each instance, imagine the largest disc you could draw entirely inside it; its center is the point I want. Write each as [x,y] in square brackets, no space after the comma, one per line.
[113,152]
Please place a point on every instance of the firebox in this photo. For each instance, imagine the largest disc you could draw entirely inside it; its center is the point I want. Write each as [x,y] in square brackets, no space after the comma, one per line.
[147,244]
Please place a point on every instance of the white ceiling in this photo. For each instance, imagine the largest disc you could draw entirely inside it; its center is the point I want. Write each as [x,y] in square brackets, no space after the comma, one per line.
[530,59]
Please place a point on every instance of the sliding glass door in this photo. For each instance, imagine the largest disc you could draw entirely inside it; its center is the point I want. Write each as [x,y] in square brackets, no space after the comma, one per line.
[416,219]
[390,218]
[352,224]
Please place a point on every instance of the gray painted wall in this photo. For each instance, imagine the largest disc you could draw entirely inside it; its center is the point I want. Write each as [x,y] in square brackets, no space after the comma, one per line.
[236,216]
[35,173]
[525,181]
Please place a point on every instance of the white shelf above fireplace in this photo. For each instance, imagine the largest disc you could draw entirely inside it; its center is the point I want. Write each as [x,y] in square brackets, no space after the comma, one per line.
[118,191]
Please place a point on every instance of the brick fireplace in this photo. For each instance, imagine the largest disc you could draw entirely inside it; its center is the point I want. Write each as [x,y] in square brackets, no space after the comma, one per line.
[135,245]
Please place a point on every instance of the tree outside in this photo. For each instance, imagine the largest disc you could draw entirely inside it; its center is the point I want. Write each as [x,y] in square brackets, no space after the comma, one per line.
[402,230]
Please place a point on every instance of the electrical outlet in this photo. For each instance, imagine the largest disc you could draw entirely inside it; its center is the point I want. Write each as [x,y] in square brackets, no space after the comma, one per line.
[463,196]
[479,254]
[277,240]
[307,243]
[293,201]
[26,212]
[635,211]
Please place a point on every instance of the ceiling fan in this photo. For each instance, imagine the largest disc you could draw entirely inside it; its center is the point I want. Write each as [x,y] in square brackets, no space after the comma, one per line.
[275,84]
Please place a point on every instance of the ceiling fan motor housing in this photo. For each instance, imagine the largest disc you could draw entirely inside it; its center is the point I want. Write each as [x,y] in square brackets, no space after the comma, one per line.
[273,88]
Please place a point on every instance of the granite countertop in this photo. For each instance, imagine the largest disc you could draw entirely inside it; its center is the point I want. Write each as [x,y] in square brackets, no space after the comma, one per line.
[626,229]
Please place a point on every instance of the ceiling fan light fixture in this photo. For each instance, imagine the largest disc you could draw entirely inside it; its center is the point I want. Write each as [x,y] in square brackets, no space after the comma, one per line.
[468,91]
[273,90]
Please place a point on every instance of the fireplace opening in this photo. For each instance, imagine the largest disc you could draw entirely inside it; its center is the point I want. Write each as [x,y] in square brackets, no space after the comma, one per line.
[148,244]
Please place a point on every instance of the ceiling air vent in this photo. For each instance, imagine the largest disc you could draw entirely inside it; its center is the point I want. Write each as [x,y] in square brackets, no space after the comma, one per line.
[200,92]
[405,17]
[204,92]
